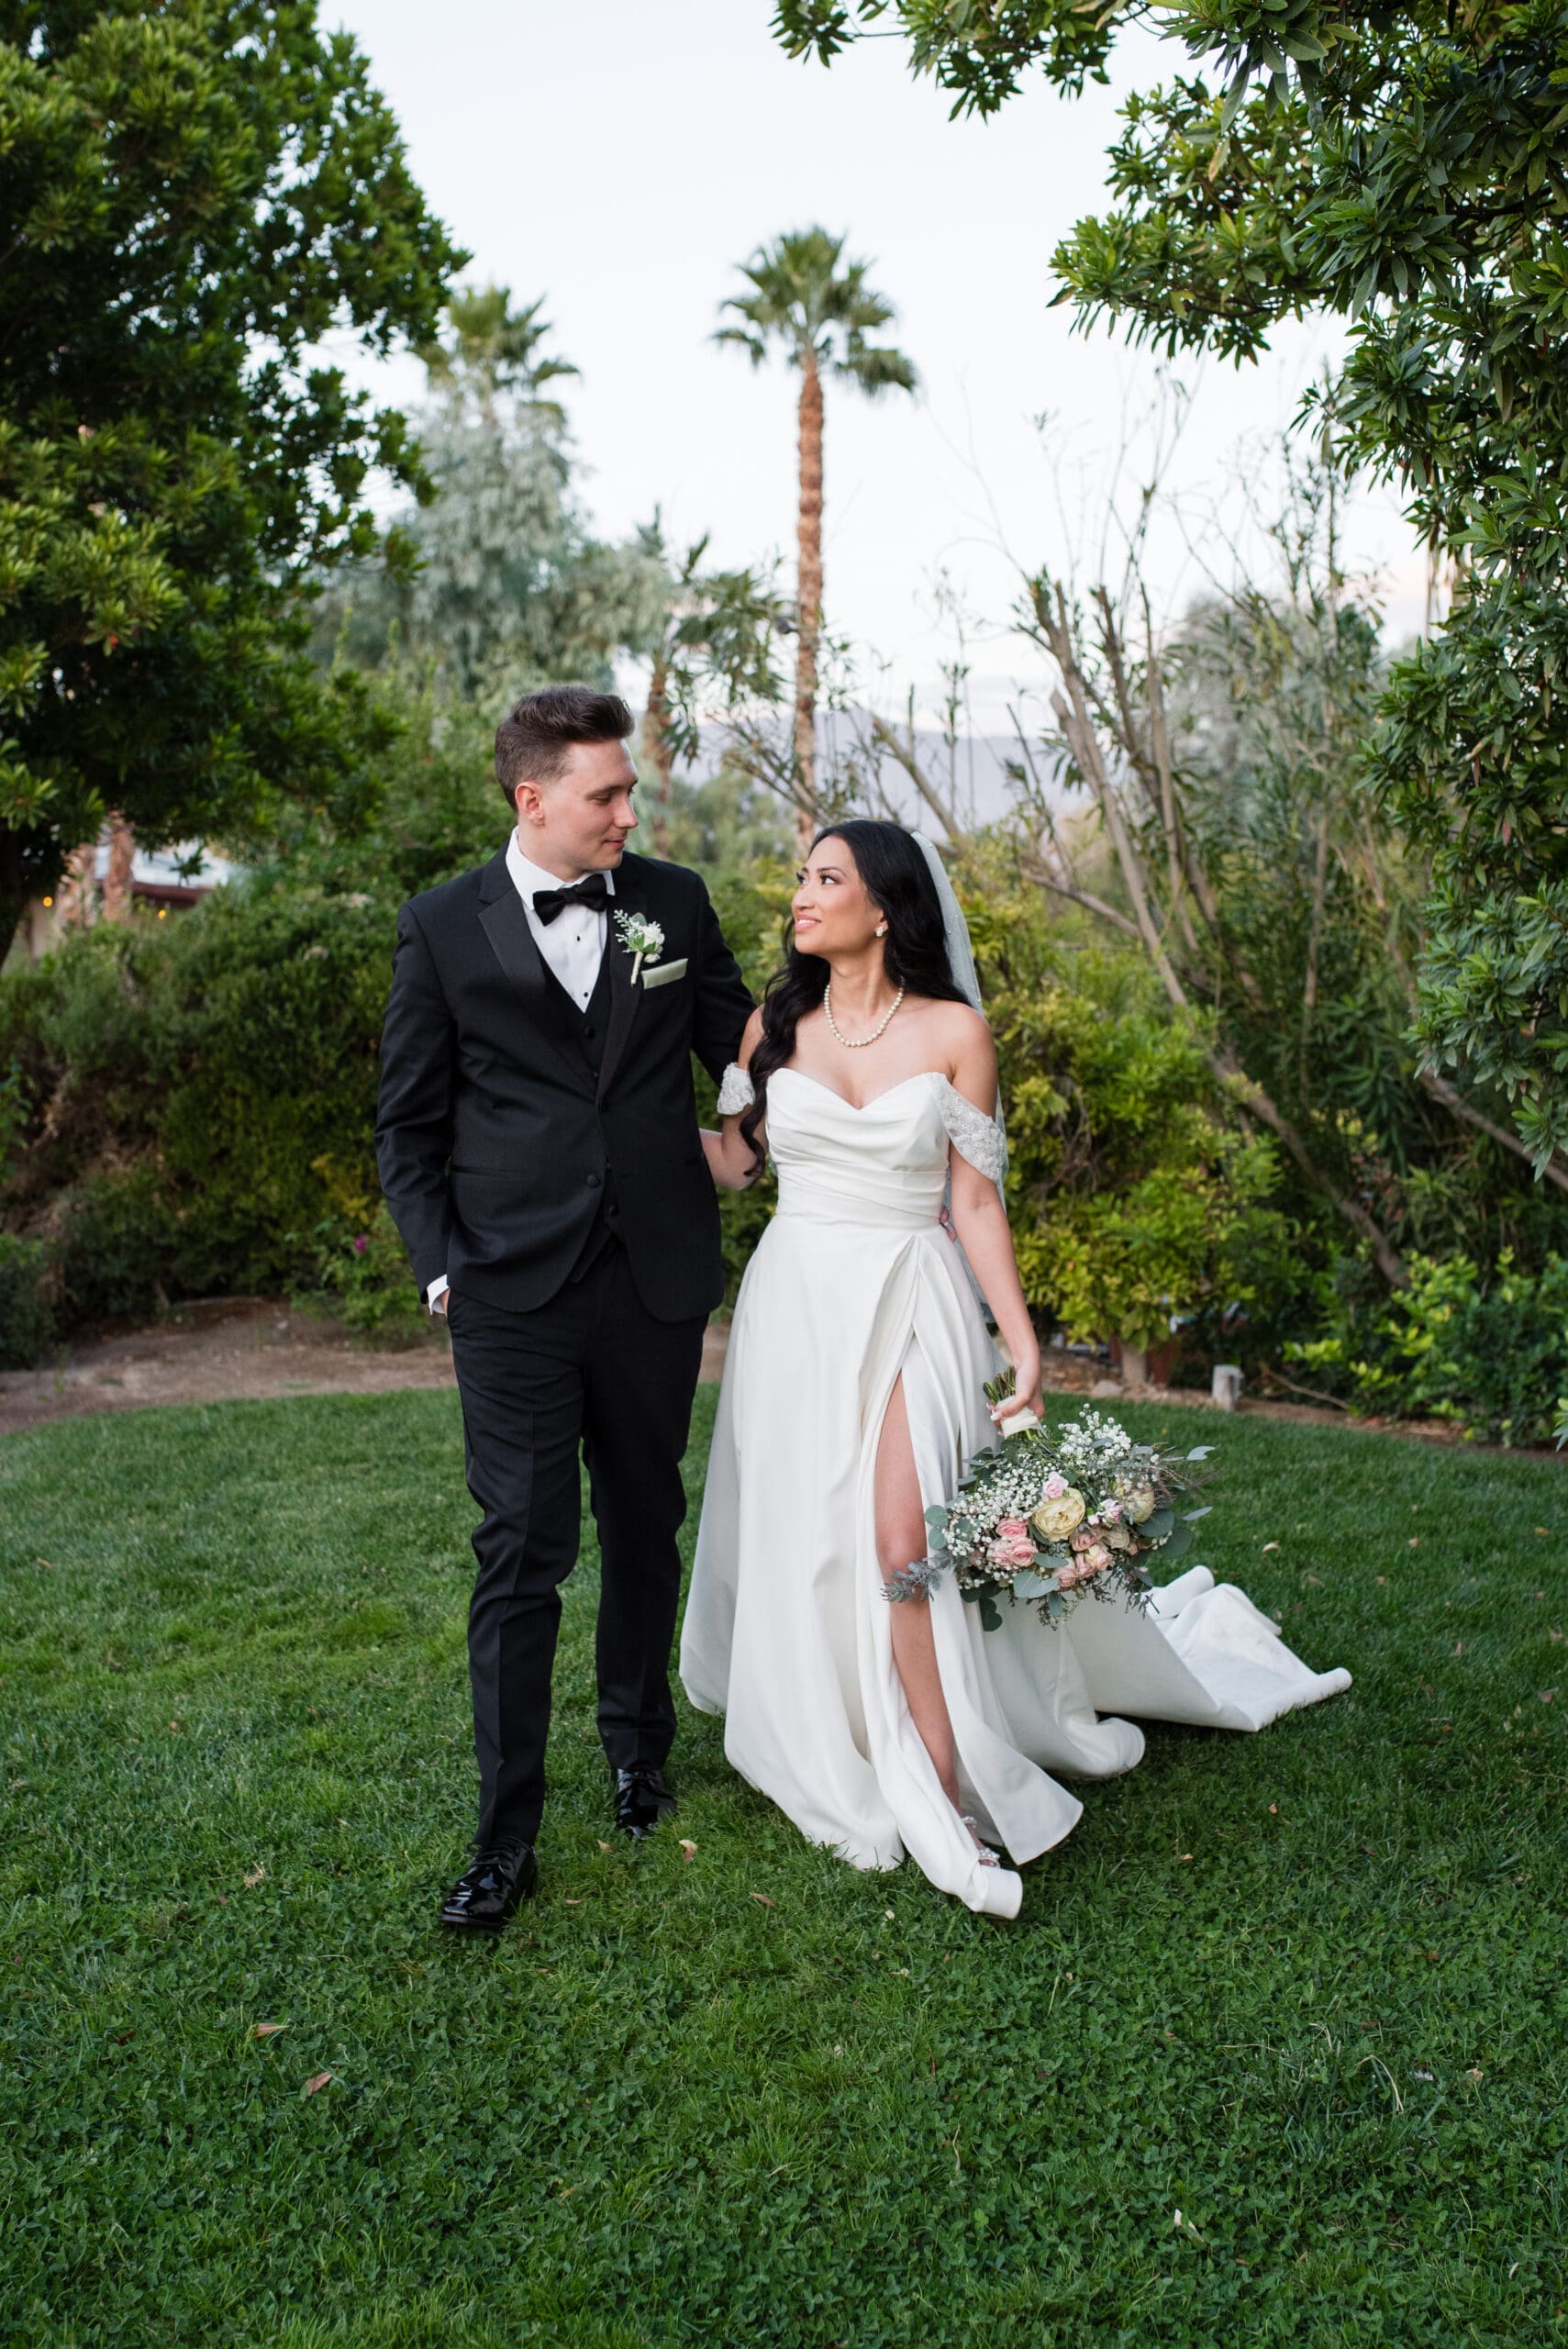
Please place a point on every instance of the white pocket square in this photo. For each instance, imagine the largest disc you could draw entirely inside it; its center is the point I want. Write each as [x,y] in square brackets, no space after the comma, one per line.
[663,973]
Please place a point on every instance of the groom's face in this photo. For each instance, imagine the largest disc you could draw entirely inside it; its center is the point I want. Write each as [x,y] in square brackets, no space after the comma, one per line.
[579,822]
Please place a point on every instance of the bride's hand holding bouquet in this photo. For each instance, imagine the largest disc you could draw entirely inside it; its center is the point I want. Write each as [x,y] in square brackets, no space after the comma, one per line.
[1028,1394]
[1049,1516]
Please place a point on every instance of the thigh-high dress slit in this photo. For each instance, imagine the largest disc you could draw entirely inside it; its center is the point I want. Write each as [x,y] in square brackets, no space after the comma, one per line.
[787,1632]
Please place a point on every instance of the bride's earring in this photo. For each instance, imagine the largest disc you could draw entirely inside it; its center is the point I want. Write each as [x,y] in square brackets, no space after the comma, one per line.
[882,930]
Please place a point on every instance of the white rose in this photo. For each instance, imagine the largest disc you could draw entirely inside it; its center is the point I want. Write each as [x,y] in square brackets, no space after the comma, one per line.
[1054,1520]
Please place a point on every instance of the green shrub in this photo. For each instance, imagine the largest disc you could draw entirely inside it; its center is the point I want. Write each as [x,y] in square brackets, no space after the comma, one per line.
[115,1237]
[27,1284]
[362,1275]
[189,1079]
[1138,1199]
[1490,1353]
[27,1314]
[751,909]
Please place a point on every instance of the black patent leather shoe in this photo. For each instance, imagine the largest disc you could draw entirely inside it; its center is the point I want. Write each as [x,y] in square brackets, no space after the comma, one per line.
[481,1901]
[643,1797]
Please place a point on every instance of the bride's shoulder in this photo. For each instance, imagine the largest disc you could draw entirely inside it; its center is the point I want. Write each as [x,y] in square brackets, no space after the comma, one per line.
[962,1036]
[959,1026]
[752,1036]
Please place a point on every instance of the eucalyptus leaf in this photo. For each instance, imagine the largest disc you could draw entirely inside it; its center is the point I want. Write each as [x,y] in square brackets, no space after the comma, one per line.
[1180,1542]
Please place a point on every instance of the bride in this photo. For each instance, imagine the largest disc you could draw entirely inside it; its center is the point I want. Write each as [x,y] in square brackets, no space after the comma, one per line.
[853,1396]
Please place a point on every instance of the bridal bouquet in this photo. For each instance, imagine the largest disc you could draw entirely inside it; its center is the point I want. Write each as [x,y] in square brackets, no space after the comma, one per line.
[1055,1514]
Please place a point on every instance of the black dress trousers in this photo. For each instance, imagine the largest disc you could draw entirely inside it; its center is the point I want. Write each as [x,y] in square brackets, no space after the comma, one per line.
[544,1155]
[591,1369]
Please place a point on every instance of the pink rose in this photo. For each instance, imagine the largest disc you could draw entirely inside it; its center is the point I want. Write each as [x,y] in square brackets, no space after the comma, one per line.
[1012,1529]
[1067,1575]
[1054,1487]
[1093,1561]
[1011,1550]
[1085,1537]
[1109,1513]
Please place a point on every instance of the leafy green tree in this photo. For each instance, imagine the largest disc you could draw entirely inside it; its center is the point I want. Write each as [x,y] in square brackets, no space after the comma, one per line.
[715,653]
[437,811]
[180,1143]
[1233,845]
[495,353]
[814,306]
[496,580]
[1137,1197]
[1404,169]
[198,194]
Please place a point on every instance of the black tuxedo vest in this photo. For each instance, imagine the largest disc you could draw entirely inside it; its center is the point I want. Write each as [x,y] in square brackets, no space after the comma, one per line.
[508,1133]
[588,1024]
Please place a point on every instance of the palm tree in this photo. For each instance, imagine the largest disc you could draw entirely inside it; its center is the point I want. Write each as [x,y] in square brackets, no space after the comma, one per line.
[806,300]
[715,642]
[494,351]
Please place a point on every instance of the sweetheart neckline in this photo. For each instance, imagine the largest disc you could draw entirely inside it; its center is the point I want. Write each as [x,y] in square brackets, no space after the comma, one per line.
[858,1108]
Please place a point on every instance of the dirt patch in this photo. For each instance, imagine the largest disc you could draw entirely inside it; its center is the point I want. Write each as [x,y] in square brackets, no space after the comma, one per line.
[242,1349]
[238,1349]
[1068,1373]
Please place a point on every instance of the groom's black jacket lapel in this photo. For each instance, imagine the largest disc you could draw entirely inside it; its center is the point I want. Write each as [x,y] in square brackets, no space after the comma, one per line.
[625,997]
[497,1142]
[504,921]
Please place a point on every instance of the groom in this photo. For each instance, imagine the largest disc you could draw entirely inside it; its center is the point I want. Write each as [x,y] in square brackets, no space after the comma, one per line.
[538,1144]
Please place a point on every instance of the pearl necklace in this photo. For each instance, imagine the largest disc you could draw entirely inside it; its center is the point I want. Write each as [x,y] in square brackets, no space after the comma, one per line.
[856,1043]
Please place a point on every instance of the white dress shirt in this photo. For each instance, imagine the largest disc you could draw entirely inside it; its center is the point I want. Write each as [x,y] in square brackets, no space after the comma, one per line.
[573,945]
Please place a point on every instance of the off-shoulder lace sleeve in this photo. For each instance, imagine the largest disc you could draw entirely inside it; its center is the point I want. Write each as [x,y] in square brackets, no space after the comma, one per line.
[972,1134]
[737,1092]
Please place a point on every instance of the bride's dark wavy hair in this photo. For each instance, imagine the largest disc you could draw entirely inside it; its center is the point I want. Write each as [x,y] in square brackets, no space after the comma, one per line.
[898,882]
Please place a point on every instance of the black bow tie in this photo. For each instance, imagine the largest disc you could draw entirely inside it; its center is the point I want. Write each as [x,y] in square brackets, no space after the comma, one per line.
[592,891]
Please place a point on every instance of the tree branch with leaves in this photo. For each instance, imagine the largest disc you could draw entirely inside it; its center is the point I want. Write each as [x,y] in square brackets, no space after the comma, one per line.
[197,196]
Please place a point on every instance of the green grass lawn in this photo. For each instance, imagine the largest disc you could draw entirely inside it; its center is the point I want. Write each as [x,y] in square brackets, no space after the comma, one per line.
[1307,1988]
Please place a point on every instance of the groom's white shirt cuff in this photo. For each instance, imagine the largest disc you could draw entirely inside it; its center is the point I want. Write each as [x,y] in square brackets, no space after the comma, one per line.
[437,1289]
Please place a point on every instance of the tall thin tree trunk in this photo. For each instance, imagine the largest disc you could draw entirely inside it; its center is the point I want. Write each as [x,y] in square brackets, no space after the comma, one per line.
[809,598]
[1313,943]
[116,880]
[656,750]
[76,899]
[16,888]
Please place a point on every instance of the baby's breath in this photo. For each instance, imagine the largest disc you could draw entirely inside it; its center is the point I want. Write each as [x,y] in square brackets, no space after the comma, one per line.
[1092,1503]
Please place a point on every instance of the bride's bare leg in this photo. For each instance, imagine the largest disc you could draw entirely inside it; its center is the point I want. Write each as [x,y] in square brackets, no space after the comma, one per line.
[901,1537]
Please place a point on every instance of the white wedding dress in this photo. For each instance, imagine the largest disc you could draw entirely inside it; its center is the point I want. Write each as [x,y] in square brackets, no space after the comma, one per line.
[786,1631]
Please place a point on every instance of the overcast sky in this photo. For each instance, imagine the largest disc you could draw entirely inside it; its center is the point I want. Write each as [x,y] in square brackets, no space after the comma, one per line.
[621,157]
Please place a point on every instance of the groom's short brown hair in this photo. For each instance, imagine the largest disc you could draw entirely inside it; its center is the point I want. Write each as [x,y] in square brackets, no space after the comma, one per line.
[533,739]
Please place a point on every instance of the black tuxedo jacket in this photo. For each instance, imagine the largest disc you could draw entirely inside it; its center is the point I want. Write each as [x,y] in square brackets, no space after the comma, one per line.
[497,1139]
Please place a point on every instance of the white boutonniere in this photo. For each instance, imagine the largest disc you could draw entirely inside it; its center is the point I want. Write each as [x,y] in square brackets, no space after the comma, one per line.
[643,940]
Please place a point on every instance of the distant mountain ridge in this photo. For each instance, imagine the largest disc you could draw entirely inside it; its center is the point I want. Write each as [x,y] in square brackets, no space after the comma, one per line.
[973,772]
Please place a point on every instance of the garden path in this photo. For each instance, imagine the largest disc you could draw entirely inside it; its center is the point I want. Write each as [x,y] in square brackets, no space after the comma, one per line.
[241,1349]
[230,1349]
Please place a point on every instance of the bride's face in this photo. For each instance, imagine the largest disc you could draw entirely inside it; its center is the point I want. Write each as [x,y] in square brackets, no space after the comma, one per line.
[832,913]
